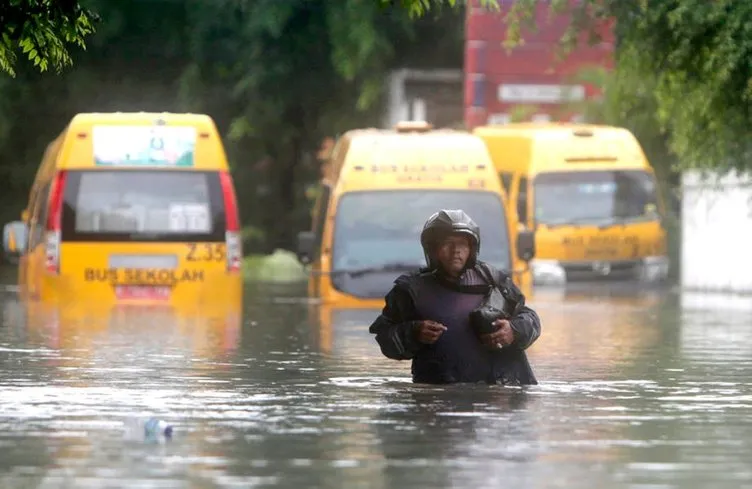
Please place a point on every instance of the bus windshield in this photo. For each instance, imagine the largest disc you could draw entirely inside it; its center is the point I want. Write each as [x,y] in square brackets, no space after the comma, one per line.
[595,197]
[379,231]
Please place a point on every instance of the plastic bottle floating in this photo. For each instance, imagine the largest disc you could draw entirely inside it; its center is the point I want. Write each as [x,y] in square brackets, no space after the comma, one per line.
[150,430]
[155,429]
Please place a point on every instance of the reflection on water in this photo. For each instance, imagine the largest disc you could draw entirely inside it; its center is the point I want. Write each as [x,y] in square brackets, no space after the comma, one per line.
[595,333]
[638,389]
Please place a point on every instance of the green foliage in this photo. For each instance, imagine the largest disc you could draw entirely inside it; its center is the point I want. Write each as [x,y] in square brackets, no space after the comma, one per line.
[703,77]
[418,8]
[692,54]
[295,72]
[522,112]
[42,30]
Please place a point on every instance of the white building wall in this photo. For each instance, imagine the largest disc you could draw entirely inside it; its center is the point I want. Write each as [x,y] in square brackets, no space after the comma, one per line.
[401,106]
[717,233]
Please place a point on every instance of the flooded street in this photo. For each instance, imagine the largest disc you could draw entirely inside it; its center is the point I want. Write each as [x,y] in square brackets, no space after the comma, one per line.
[637,390]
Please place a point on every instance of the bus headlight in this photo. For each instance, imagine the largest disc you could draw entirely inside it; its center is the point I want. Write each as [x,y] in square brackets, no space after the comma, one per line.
[654,268]
[548,272]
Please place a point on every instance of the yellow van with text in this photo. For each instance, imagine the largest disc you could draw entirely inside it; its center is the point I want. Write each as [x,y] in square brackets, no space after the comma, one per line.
[131,208]
[589,194]
[378,188]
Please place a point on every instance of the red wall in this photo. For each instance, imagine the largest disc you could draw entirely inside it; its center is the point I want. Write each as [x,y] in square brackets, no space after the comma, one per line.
[488,64]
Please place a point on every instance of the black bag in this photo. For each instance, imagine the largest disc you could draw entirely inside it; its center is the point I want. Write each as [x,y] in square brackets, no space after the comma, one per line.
[495,305]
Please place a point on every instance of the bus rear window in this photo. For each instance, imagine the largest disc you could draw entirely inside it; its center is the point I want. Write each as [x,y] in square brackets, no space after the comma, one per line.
[127,205]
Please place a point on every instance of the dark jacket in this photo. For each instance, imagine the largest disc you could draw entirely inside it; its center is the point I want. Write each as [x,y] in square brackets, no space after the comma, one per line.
[397,326]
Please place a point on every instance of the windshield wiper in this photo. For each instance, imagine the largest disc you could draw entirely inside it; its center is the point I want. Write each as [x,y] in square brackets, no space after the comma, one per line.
[387,267]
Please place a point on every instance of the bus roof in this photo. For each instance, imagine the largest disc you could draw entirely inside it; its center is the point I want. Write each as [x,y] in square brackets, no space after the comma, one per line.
[148,140]
[537,147]
[380,159]
[89,118]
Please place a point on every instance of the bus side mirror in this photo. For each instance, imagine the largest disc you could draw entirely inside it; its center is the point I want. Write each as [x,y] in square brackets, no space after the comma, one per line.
[15,236]
[522,209]
[306,245]
[526,245]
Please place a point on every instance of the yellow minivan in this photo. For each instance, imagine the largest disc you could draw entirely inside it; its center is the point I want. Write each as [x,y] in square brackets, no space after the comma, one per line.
[378,188]
[131,208]
[589,194]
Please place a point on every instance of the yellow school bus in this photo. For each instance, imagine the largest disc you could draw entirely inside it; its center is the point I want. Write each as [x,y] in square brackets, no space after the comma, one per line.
[378,188]
[589,194]
[131,208]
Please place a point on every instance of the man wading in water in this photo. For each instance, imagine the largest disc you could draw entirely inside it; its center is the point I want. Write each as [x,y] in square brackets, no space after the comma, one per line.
[427,313]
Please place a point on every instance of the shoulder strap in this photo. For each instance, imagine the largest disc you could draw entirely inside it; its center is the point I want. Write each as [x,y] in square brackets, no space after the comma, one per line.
[425,271]
[487,275]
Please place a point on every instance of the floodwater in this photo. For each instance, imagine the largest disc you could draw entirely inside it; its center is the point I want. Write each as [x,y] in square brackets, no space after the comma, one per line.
[637,389]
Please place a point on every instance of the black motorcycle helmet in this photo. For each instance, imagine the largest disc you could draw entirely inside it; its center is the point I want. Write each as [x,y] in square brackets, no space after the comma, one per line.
[442,224]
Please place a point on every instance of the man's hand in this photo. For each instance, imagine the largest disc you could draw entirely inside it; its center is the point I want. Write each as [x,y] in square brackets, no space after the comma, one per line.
[503,336]
[429,331]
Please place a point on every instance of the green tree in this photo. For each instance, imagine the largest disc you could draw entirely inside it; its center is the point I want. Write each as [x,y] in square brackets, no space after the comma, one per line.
[42,30]
[295,72]
[418,8]
[133,62]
